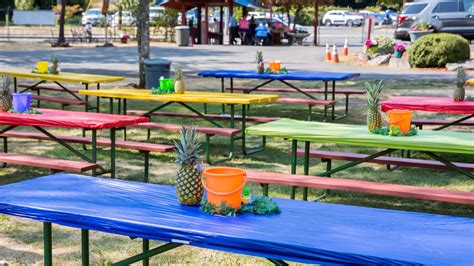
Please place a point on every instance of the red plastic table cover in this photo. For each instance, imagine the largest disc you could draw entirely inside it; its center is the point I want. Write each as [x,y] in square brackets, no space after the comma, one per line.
[429,104]
[69,119]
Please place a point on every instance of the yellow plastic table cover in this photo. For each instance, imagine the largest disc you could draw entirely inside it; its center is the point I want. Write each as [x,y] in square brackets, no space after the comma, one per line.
[187,97]
[63,77]
[358,135]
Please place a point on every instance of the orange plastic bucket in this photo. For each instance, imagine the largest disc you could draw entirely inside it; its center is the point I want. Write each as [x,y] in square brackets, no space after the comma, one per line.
[400,119]
[224,184]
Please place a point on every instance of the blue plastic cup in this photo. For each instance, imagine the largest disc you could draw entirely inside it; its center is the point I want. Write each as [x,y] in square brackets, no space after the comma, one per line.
[21,102]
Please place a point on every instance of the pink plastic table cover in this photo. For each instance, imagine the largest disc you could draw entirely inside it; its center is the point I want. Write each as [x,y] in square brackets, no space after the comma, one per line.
[429,104]
[69,119]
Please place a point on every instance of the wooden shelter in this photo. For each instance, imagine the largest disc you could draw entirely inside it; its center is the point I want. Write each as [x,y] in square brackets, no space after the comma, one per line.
[185,5]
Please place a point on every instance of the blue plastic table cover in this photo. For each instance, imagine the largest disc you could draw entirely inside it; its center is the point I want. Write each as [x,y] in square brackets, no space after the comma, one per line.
[291,75]
[306,232]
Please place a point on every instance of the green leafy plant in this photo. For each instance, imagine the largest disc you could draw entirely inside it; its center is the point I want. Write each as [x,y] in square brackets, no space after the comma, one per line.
[259,206]
[27,112]
[435,50]
[393,131]
[385,45]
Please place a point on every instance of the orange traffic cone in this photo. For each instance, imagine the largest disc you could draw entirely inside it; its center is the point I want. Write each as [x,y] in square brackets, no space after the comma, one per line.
[335,57]
[328,53]
[345,52]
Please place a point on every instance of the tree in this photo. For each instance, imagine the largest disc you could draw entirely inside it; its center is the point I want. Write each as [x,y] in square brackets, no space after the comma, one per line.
[143,38]
[61,42]
[24,4]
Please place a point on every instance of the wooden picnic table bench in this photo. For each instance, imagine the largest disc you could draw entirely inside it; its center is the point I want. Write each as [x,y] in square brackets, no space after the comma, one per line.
[227,117]
[74,120]
[55,165]
[85,79]
[194,97]
[426,141]
[142,147]
[444,105]
[328,156]
[438,122]
[304,232]
[376,188]
[286,79]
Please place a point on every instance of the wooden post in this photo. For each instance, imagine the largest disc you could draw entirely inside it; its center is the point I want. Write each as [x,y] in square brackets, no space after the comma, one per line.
[221,24]
[231,14]
[206,24]
[199,26]
[183,14]
[316,22]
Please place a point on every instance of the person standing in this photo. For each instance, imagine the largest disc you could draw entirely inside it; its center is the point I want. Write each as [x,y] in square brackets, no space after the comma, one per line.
[252,27]
[88,32]
[233,30]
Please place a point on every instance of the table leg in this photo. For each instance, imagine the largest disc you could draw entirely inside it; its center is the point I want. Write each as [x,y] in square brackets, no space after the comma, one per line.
[333,115]
[15,84]
[124,113]
[306,166]
[146,247]
[48,244]
[85,247]
[223,90]
[111,105]
[98,99]
[244,136]
[86,87]
[449,164]
[112,152]
[456,122]
[294,147]
[94,150]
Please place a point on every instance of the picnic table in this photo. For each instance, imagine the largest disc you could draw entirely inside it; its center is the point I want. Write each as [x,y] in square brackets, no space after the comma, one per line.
[58,79]
[427,142]
[230,99]
[432,104]
[286,79]
[305,232]
[70,119]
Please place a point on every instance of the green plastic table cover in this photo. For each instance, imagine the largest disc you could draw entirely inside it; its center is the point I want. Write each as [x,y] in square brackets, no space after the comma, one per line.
[358,135]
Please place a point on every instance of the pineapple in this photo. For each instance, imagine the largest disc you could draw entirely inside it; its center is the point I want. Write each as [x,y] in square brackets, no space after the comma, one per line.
[374,118]
[460,91]
[179,86]
[189,188]
[260,64]
[54,68]
[6,98]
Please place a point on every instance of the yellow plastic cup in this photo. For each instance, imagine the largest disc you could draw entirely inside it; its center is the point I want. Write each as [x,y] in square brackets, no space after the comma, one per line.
[42,67]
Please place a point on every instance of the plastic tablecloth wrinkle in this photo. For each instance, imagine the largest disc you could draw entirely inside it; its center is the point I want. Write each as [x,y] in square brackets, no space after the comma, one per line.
[306,232]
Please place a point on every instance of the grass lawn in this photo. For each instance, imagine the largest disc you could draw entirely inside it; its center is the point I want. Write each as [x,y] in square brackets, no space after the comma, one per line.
[21,239]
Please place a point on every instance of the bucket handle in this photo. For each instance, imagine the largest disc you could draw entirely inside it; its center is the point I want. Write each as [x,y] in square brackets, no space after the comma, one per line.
[395,122]
[224,193]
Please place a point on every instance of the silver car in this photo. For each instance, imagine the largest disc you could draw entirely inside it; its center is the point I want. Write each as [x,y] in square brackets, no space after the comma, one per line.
[452,16]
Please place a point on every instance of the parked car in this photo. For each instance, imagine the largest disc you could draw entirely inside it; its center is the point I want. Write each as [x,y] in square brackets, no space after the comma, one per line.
[342,17]
[452,16]
[379,19]
[93,16]
[277,22]
[156,12]
[127,18]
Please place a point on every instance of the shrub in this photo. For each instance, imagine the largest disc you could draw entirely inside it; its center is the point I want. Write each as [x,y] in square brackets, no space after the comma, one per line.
[435,50]
[385,45]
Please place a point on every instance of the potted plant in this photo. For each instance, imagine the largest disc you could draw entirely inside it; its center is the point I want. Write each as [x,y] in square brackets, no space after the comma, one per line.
[420,30]
[399,49]
[370,46]
[124,38]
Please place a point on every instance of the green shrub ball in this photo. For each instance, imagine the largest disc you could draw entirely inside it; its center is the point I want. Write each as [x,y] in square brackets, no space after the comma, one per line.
[435,50]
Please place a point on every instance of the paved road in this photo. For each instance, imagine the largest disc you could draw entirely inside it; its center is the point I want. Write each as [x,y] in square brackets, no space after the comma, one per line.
[122,60]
